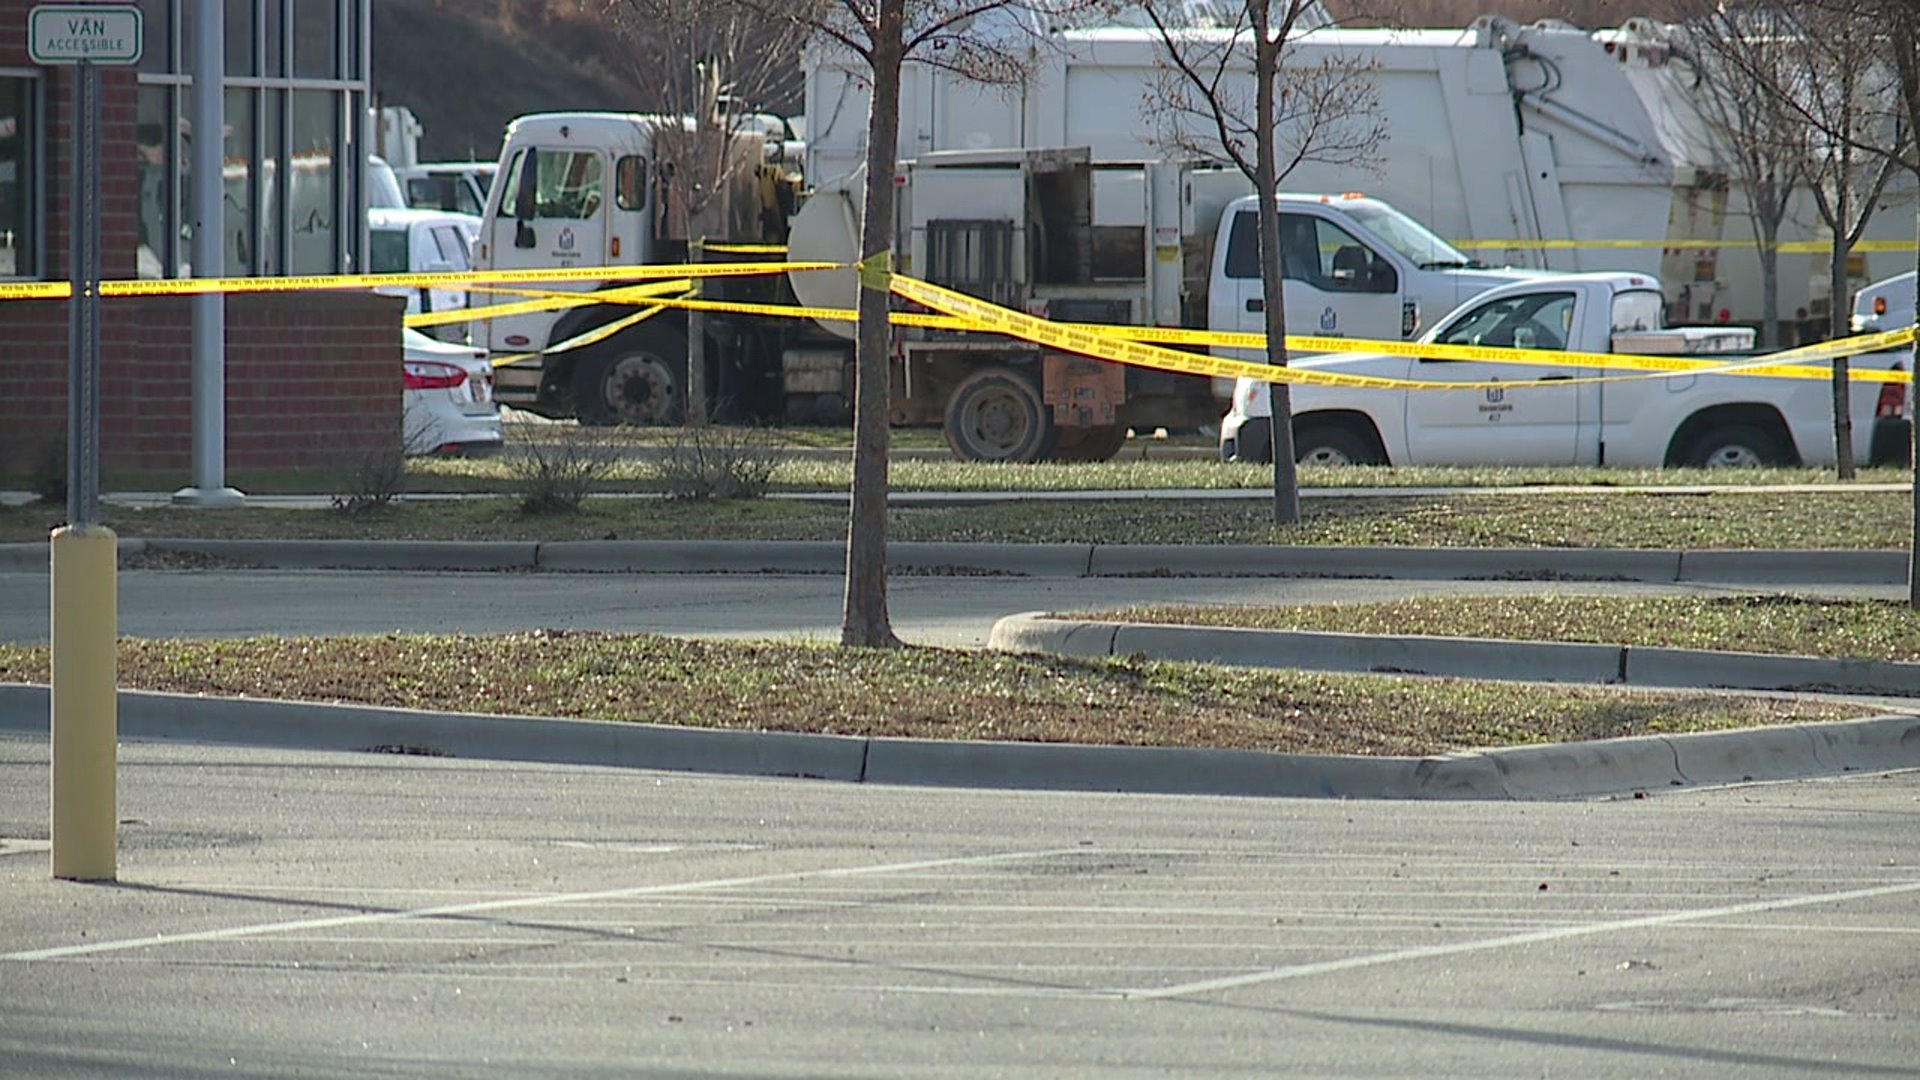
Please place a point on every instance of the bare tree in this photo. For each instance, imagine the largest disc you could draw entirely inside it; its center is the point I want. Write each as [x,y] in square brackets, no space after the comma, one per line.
[1898,41]
[1765,149]
[1857,144]
[710,69]
[1889,31]
[962,37]
[1843,96]
[1225,91]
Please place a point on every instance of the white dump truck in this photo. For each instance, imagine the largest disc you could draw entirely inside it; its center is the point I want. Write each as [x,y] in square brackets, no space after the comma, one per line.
[1048,231]
[1530,145]
[1683,419]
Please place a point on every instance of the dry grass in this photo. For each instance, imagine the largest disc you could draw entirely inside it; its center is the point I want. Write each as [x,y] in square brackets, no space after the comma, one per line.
[919,692]
[1808,626]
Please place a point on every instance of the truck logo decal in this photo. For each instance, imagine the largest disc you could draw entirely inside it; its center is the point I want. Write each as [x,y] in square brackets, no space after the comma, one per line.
[566,239]
[1495,395]
[1329,320]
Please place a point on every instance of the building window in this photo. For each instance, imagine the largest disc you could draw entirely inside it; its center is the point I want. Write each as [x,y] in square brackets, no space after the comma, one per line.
[161,219]
[312,192]
[19,187]
[293,88]
[316,39]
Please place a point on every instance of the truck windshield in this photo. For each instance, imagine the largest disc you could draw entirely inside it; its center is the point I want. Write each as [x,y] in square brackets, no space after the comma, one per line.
[1410,238]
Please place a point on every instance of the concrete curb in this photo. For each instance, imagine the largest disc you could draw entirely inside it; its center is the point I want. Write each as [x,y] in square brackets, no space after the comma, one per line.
[1562,771]
[1037,560]
[318,726]
[1485,658]
[361,554]
[1254,560]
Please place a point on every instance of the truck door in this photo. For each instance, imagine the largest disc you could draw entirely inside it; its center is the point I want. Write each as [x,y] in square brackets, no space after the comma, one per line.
[552,214]
[1336,286]
[1492,426]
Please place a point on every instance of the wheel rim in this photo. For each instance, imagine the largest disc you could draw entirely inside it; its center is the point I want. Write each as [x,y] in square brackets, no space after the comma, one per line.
[1325,455]
[641,389]
[1735,456]
[997,422]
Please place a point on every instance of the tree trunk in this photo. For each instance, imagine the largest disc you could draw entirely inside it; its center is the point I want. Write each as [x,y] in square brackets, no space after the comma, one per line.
[696,388]
[1266,182]
[1769,282]
[1913,438]
[1842,390]
[864,620]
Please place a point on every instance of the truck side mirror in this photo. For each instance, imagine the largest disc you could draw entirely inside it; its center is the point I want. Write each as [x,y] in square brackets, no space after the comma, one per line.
[523,234]
[523,203]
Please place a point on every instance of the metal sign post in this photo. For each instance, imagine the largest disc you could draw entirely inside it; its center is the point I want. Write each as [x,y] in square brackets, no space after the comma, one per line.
[85,557]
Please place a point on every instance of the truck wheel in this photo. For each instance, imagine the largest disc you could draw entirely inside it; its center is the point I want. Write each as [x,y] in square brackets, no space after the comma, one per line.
[1254,443]
[1738,446]
[1090,443]
[998,415]
[634,380]
[1331,444]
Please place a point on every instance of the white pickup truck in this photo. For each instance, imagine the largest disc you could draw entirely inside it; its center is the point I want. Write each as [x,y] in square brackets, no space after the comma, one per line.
[1695,420]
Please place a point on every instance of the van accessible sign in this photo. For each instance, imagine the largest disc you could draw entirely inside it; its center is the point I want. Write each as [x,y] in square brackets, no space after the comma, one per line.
[84,33]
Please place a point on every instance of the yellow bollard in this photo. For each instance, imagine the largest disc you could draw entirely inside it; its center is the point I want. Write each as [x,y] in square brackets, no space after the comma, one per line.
[85,702]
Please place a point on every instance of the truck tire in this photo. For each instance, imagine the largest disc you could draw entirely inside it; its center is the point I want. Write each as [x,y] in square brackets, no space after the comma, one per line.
[998,415]
[1738,446]
[1090,443]
[636,379]
[1334,444]
[1254,444]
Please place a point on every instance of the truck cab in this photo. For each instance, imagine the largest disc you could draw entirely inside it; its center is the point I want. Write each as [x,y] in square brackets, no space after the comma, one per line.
[1354,267]
[592,189]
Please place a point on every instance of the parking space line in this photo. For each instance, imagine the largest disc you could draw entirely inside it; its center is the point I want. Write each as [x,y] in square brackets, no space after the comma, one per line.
[63,952]
[1428,952]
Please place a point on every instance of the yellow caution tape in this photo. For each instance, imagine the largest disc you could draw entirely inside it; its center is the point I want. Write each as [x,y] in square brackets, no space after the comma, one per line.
[747,249]
[1775,365]
[548,301]
[581,341]
[876,270]
[449,280]
[35,290]
[1102,343]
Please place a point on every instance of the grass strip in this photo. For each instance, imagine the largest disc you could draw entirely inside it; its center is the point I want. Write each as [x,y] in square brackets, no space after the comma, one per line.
[1793,625]
[918,692]
[1852,520]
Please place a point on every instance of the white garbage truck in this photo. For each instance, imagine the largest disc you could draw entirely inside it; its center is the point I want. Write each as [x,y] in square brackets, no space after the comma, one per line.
[1530,145]
[1053,232]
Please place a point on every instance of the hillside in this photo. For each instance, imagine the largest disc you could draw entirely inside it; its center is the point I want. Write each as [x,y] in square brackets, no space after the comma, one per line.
[466,67]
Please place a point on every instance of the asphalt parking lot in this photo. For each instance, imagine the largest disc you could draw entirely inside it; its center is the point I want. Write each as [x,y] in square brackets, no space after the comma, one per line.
[297,913]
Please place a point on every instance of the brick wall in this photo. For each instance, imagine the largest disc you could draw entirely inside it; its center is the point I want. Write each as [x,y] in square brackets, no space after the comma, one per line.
[311,379]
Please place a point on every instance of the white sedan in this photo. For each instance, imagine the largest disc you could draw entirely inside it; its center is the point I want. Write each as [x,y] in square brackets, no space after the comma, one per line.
[448,401]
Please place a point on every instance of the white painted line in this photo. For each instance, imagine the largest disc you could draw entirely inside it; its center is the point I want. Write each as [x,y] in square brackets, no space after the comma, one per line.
[297,925]
[1428,952]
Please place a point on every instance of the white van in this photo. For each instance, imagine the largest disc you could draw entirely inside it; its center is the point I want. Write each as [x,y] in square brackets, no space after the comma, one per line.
[423,242]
